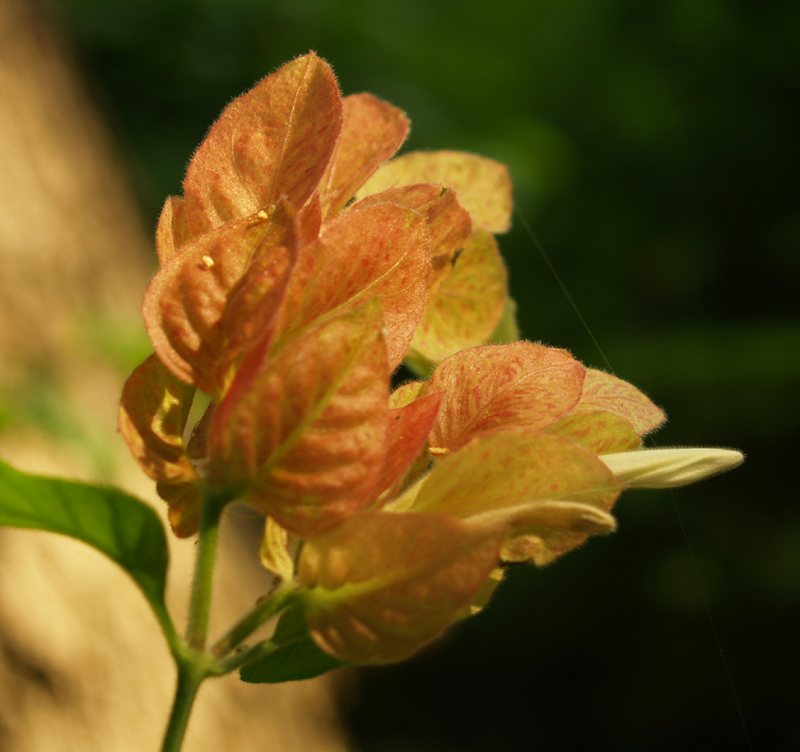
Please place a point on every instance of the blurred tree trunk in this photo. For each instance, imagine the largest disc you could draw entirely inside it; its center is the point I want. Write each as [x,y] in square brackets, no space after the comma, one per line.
[81,660]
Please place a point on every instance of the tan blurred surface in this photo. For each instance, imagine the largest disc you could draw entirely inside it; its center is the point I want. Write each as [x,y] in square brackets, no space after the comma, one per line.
[82,665]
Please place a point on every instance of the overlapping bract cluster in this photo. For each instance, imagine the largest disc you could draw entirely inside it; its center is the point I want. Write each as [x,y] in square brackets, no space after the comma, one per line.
[298,270]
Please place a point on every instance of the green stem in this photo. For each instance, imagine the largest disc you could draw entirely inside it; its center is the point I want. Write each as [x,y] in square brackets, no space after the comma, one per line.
[167,627]
[193,662]
[200,606]
[244,627]
[245,655]
[190,675]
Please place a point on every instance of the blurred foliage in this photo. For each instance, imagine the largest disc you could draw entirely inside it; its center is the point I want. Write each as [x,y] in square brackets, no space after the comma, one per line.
[653,148]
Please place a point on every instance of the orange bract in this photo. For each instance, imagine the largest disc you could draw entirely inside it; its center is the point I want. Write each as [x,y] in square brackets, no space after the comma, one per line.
[377,252]
[495,388]
[299,269]
[152,417]
[303,436]
[272,143]
[382,585]
[482,185]
[603,391]
[540,486]
[466,307]
[191,309]
[372,131]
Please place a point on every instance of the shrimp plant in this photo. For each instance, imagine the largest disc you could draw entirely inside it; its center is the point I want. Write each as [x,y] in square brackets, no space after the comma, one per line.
[303,264]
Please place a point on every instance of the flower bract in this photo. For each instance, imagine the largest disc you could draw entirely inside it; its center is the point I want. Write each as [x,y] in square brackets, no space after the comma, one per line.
[302,265]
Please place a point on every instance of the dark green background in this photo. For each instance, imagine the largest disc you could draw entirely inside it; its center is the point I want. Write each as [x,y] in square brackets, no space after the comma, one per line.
[653,146]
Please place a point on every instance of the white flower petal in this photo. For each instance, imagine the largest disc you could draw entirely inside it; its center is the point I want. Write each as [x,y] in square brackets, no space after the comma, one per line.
[667,468]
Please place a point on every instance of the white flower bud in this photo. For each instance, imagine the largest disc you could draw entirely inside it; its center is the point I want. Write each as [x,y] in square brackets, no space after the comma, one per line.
[667,468]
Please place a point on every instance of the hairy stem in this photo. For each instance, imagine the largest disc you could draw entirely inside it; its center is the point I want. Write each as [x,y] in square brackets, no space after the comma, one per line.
[193,662]
[200,607]
[190,675]
[244,627]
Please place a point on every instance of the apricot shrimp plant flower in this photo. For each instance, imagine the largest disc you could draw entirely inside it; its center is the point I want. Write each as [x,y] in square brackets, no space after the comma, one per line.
[302,265]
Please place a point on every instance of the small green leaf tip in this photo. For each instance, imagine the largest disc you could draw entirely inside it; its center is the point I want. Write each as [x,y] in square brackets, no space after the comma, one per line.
[668,468]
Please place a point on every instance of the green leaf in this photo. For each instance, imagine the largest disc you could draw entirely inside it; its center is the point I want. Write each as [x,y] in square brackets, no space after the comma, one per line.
[295,657]
[116,524]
